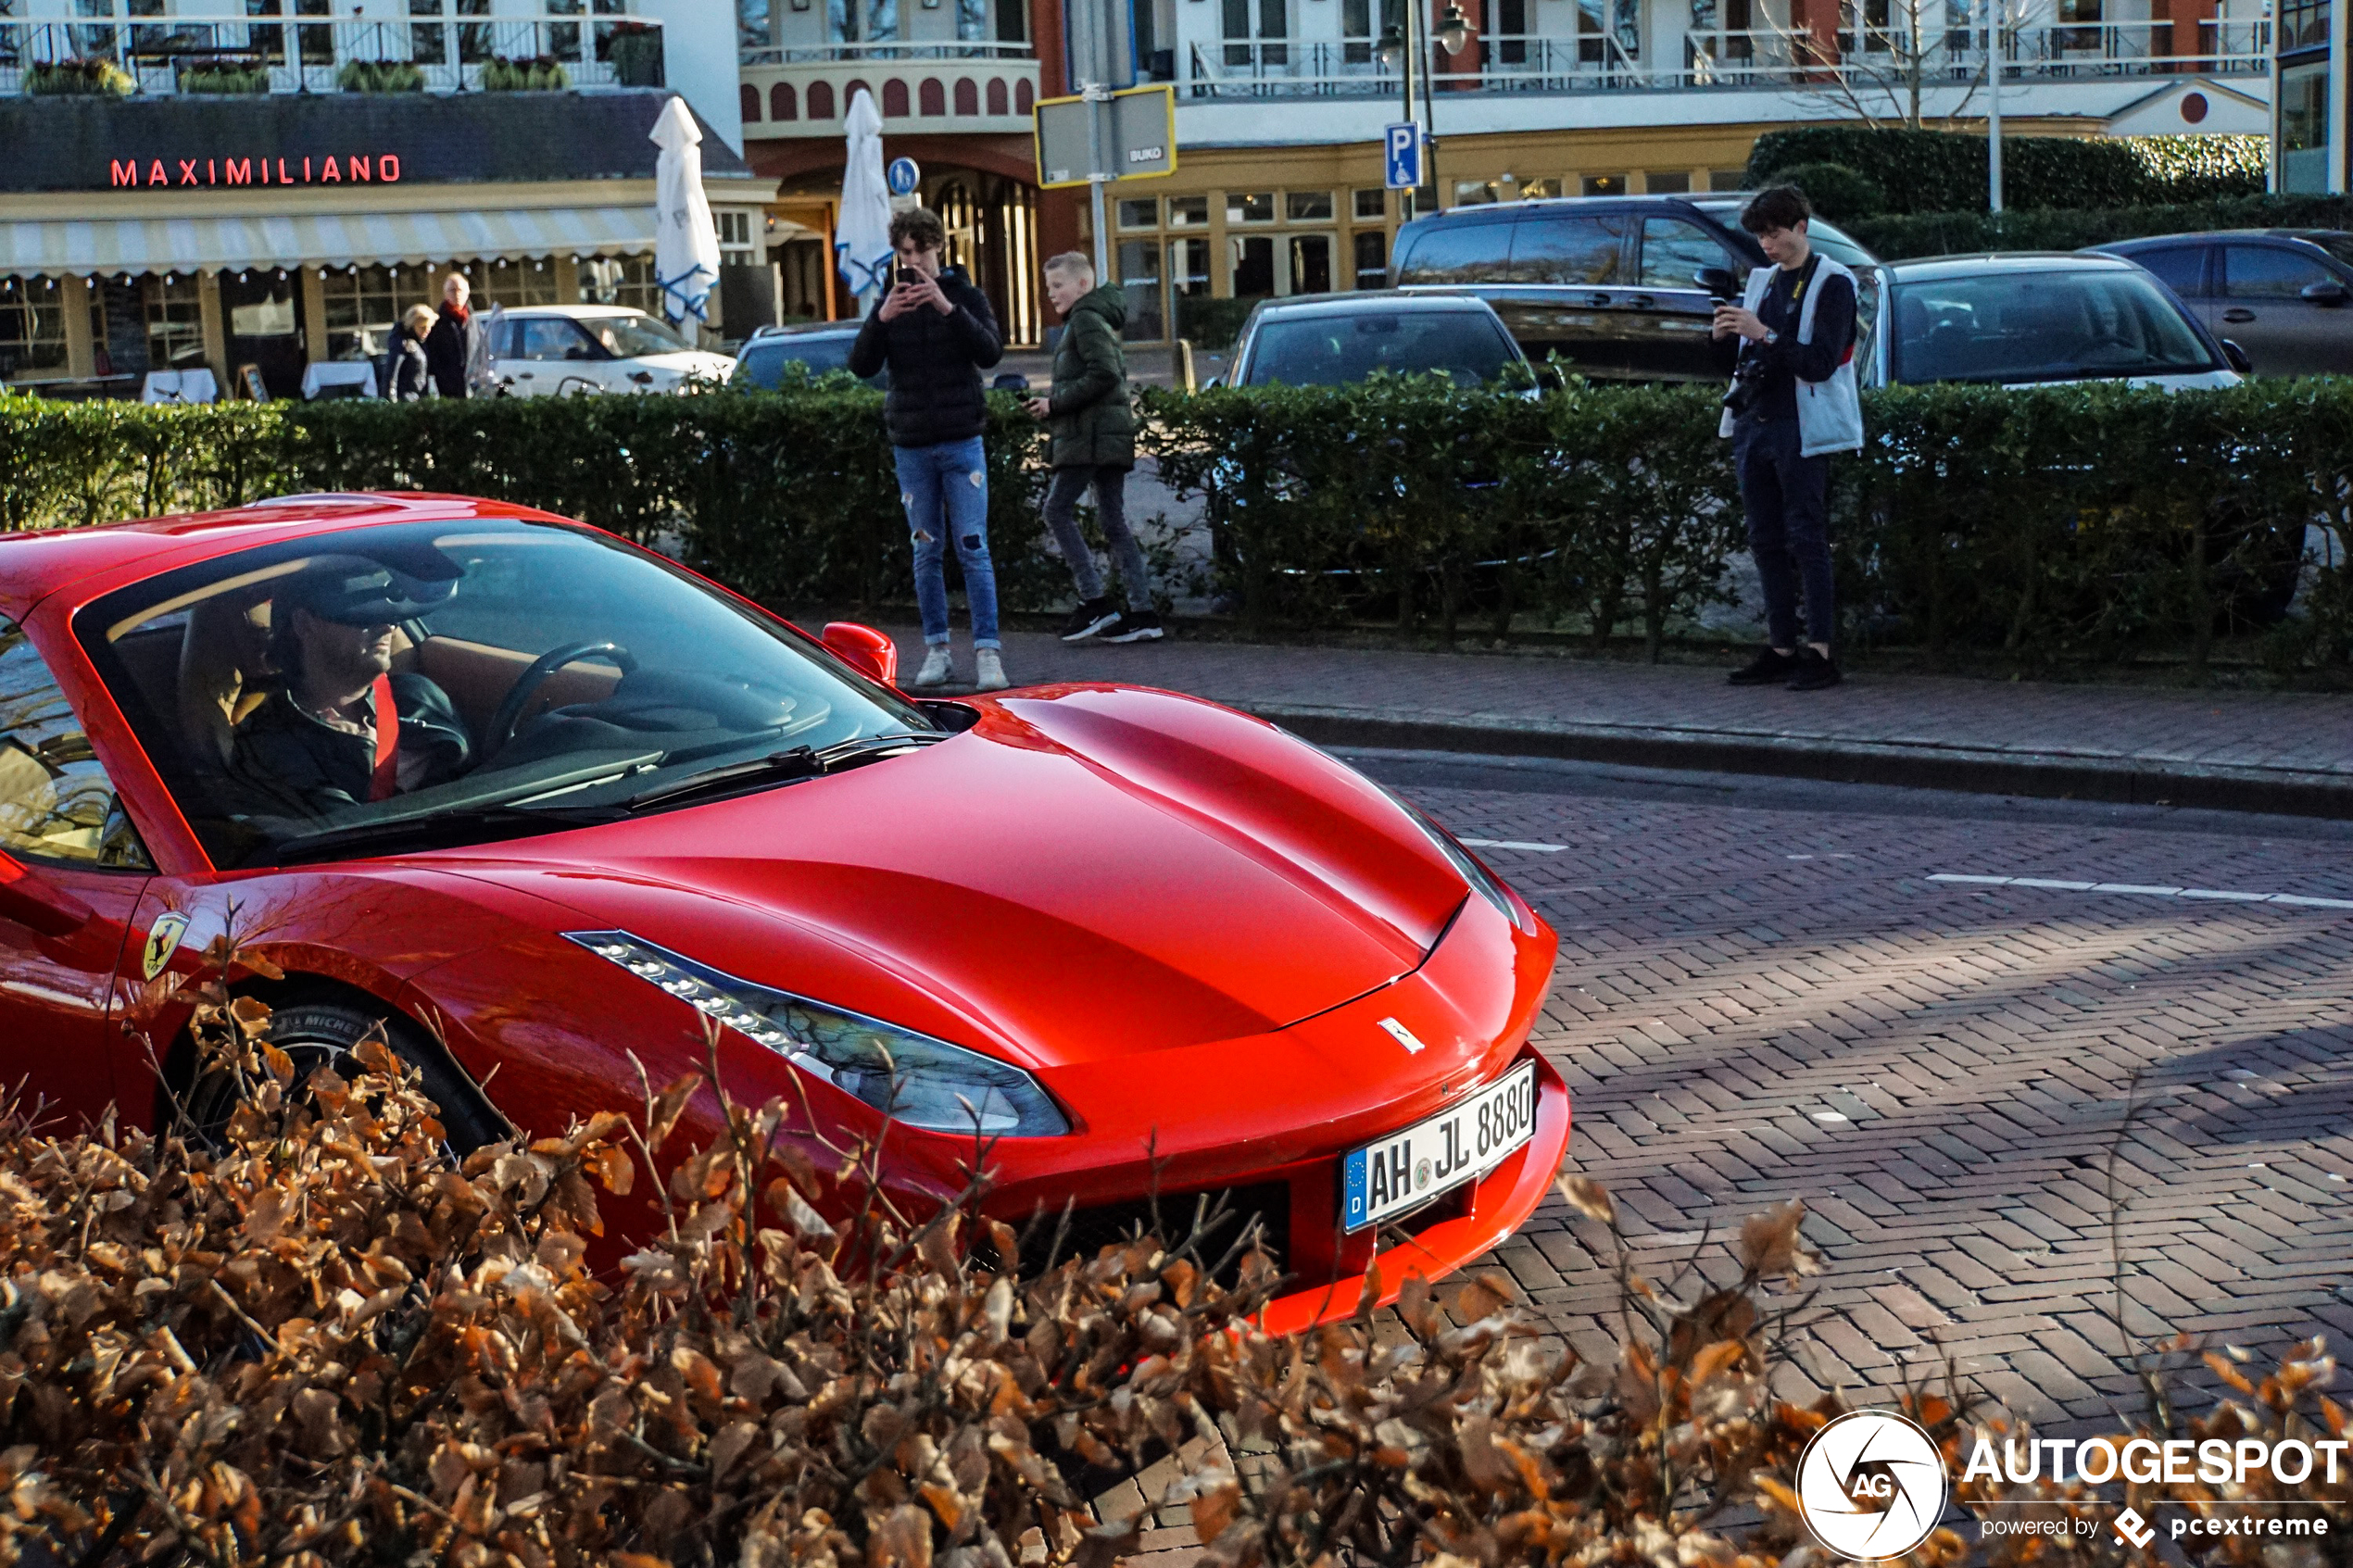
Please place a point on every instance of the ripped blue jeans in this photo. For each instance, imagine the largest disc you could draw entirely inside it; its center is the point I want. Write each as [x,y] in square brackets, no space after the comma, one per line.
[945,489]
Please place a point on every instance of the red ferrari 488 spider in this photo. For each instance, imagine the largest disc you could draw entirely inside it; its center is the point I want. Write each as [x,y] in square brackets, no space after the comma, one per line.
[1118,942]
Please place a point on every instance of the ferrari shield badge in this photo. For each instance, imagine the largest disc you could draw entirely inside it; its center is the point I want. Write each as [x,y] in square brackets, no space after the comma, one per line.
[163,940]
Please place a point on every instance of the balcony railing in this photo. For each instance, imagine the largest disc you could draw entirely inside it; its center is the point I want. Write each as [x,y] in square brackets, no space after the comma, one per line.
[1753,59]
[952,87]
[886,49]
[254,54]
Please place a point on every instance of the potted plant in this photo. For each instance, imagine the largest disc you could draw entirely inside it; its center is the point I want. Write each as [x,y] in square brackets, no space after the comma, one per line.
[537,74]
[633,49]
[235,77]
[380,76]
[82,79]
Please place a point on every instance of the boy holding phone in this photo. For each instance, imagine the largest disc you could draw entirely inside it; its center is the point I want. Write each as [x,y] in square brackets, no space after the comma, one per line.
[935,332]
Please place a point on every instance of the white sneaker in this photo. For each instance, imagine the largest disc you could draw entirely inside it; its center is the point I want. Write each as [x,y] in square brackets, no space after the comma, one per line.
[988,671]
[936,667]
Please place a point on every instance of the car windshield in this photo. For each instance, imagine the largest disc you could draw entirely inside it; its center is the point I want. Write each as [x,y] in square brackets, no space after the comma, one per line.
[632,338]
[763,363]
[538,668]
[1329,349]
[2080,324]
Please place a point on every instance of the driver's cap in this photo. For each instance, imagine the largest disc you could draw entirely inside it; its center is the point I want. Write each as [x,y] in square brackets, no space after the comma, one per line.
[357,592]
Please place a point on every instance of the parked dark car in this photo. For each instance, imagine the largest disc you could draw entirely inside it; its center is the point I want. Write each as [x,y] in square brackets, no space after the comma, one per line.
[1609,283]
[1330,340]
[2279,293]
[822,346]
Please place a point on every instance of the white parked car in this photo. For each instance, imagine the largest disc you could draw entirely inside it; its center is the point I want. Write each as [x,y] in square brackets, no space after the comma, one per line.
[558,350]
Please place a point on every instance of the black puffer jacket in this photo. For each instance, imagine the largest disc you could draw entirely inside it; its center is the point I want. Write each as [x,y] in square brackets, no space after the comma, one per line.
[935,363]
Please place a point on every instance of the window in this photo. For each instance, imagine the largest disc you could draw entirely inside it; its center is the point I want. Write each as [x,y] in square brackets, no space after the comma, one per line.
[1673,251]
[1252,259]
[1539,190]
[547,337]
[735,238]
[511,284]
[1139,279]
[1372,259]
[2304,123]
[56,803]
[1725,178]
[2269,272]
[1605,184]
[1568,250]
[1478,192]
[32,327]
[2179,267]
[175,321]
[1308,207]
[620,280]
[1372,205]
[1311,264]
[1273,28]
[1457,253]
[1667,181]
[1250,206]
[1327,350]
[1189,212]
[1188,269]
[1143,214]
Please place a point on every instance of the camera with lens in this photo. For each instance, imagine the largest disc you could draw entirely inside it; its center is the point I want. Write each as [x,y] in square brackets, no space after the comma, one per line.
[1748,384]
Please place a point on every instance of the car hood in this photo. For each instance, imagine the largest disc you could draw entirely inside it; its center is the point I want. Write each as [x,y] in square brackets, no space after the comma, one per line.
[1089,871]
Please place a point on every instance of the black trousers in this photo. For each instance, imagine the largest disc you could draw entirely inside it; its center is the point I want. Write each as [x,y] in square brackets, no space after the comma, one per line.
[1787,497]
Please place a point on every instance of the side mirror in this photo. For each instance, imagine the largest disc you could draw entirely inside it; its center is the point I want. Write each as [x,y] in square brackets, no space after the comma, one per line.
[2328,291]
[1718,282]
[2235,357]
[36,903]
[868,652]
[1012,381]
[1214,380]
[1549,377]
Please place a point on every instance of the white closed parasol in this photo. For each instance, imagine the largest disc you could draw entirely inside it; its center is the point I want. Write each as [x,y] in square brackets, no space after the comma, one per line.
[862,235]
[686,241]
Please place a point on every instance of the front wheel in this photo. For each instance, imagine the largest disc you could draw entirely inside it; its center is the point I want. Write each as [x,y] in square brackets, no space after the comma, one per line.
[325,1032]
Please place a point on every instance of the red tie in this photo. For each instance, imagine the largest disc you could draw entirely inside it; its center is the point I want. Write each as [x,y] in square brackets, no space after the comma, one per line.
[387,774]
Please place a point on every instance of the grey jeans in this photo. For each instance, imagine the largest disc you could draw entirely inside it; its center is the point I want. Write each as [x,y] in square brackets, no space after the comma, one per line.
[1110,510]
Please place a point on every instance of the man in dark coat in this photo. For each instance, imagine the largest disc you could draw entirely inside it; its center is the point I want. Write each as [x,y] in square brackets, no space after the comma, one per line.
[1093,434]
[458,349]
[937,334]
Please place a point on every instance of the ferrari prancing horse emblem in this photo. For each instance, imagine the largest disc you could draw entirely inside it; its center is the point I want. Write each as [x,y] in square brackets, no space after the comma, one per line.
[1403,1035]
[163,940]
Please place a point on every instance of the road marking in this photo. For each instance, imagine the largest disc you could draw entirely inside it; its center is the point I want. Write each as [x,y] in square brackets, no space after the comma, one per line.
[2150,890]
[1511,843]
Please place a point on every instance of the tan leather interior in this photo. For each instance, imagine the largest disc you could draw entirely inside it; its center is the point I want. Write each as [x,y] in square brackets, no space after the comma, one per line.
[477,676]
[223,663]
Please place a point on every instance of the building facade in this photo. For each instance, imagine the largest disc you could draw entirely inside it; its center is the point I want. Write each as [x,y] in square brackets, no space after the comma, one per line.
[2312,89]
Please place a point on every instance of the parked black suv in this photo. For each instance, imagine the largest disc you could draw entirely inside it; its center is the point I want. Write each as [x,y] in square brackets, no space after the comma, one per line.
[1607,282]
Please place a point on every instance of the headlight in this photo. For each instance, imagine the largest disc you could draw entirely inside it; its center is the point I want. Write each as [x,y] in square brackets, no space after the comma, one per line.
[1482,880]
[909,1077]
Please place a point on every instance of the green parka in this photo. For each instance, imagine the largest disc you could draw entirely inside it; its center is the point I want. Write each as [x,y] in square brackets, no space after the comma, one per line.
[1087,412]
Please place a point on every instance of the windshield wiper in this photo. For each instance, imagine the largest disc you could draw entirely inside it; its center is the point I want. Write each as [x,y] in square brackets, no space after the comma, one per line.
[441,830]
[778,767]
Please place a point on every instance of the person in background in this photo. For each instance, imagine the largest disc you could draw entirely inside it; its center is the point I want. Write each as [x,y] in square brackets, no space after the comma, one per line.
[1792,403]
[458,348]
[1093,435]
[937,334]
[409,377]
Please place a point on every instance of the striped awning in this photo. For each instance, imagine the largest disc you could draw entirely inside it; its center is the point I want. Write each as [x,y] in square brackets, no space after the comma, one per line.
[206,244]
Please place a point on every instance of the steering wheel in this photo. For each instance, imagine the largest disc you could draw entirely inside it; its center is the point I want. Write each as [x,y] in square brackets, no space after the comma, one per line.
[502,728]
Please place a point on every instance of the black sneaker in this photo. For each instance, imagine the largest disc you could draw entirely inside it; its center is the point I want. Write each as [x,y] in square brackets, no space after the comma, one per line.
[1768,668]
[1813,671]
[1134,626]
[1090,617]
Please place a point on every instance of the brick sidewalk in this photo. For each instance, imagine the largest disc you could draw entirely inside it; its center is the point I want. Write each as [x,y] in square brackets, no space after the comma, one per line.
[2233,749]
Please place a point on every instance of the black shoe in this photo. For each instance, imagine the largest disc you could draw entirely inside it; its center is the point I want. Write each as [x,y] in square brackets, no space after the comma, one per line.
[1768,668]
[1134,626]
[1090,617]
[1814,670]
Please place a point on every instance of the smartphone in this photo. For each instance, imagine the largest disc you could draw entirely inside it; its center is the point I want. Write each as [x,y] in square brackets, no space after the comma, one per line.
[906,277]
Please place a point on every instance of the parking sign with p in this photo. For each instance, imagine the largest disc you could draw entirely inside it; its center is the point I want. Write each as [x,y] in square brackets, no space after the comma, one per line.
[1404,162]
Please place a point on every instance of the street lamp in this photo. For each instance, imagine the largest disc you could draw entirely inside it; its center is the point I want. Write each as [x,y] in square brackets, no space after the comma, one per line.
[1454,30]
[1391,49]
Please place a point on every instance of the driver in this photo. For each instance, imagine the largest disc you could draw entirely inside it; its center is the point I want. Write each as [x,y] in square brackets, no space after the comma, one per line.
[318,742]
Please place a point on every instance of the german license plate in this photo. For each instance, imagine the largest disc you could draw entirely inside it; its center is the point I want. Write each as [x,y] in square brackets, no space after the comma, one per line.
[1406,1168]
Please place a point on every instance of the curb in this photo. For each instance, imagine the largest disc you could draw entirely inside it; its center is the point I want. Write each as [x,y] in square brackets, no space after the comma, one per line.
[2036,774]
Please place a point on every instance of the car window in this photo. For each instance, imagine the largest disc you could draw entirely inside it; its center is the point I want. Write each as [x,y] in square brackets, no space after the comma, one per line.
[1455,253]
[1330,350]
[2040,326]
[630,337]
[2269,272]
[1568,250]
[762,363]
[55,801]
[548,337]
[1675,249]
[2179,267]
[2338,245]
[534,666]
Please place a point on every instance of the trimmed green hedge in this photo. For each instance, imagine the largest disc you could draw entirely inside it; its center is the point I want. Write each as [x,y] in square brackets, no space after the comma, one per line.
[2072,523]
[1945,233]
[1945,171]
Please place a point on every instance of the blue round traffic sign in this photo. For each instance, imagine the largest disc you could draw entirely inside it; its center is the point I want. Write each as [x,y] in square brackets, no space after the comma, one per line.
[903,176]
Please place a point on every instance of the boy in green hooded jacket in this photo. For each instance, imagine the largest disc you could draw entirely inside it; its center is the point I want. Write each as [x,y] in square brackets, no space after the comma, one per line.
[1093,445]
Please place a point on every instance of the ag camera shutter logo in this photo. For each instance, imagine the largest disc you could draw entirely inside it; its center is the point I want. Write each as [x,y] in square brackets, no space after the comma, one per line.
[1870,1485]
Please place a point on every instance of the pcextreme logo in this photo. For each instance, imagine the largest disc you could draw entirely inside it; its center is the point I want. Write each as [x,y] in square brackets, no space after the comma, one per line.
[1869,1484]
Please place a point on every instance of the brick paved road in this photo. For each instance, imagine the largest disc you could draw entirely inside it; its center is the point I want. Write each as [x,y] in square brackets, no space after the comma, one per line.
[1765,997]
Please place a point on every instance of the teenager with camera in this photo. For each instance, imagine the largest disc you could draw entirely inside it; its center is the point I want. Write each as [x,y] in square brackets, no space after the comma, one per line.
[1792,403]
[937,334]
